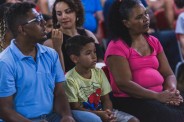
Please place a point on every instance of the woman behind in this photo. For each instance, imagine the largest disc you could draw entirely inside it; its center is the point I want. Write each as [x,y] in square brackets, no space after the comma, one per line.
[5,34]
[142,81]
[68,17]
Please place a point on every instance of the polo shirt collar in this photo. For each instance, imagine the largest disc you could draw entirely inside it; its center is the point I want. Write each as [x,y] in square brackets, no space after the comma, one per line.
[20,55]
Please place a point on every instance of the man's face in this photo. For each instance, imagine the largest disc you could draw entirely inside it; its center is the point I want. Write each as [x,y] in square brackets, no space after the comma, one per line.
[34,27]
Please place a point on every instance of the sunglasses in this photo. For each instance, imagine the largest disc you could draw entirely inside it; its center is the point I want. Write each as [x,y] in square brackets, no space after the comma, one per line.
[39,19]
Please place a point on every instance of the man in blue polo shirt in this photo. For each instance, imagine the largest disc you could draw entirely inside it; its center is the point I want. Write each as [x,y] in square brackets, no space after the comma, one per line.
[30,74]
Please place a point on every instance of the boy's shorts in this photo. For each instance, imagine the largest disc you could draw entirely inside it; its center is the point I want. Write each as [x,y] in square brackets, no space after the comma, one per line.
[122,116]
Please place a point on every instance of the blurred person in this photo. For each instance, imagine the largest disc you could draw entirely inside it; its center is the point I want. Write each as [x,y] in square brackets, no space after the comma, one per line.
[5,34]
[142,81]
[38,96]
[87,87]
[170,11]
[49,23]
[180,34]
[15,106]
[180,25]
[43,7]
[93,17]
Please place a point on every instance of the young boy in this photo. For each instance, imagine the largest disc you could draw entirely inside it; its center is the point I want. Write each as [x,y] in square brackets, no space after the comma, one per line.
[87,87]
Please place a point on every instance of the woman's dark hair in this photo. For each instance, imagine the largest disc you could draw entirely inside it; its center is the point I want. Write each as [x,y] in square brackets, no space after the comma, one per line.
[75,5]
[179,3]
[3,19]
[17,15]
[121,10]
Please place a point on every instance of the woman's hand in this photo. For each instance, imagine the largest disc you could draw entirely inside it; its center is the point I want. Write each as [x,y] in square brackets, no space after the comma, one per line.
[177,99]
[170,97]
[57,39]
[165,96]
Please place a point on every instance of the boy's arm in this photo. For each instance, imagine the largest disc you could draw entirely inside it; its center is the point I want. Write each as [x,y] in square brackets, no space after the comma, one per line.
[7,113]
[77,106]
[106,102]
[104,115]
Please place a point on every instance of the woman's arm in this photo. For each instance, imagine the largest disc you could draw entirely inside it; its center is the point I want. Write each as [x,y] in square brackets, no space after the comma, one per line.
[169,12]
[166,71]
[56,42]
[170,82]
[121,72]
[44,7]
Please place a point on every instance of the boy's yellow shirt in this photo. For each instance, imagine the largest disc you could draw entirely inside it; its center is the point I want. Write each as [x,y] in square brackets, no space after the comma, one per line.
[79,89]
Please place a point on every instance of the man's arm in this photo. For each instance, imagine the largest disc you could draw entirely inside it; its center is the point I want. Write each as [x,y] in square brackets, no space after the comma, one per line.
[61,104]
[7,113]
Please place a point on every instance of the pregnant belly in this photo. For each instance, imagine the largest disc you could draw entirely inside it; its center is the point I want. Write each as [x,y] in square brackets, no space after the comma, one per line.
[149,78]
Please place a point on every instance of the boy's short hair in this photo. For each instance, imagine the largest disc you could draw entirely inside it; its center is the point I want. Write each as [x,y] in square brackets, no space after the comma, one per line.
[75,44]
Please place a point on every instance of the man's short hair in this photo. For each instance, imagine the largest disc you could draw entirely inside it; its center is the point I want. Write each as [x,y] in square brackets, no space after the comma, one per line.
[17,15]
[75,44]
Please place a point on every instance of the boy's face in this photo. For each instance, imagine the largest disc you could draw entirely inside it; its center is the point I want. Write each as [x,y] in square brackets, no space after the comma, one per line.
[87,58]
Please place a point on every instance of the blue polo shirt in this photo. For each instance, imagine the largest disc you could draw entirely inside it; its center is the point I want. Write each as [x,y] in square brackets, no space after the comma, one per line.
[31,82]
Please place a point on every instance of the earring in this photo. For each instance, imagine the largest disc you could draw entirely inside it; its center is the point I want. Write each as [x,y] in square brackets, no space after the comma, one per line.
[58,23]
[77,19]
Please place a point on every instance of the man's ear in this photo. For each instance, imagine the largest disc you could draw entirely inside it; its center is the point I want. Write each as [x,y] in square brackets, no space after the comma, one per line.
[126,23]
[74,58]
[21,30]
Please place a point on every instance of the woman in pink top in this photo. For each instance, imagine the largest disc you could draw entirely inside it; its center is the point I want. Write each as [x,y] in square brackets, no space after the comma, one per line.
[142,81]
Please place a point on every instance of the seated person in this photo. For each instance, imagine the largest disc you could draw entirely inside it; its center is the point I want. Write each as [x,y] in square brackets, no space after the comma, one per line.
[93,17]
[142,81]
[49,24]
[68,17]
[31,77]
[87,87]
[180,25]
